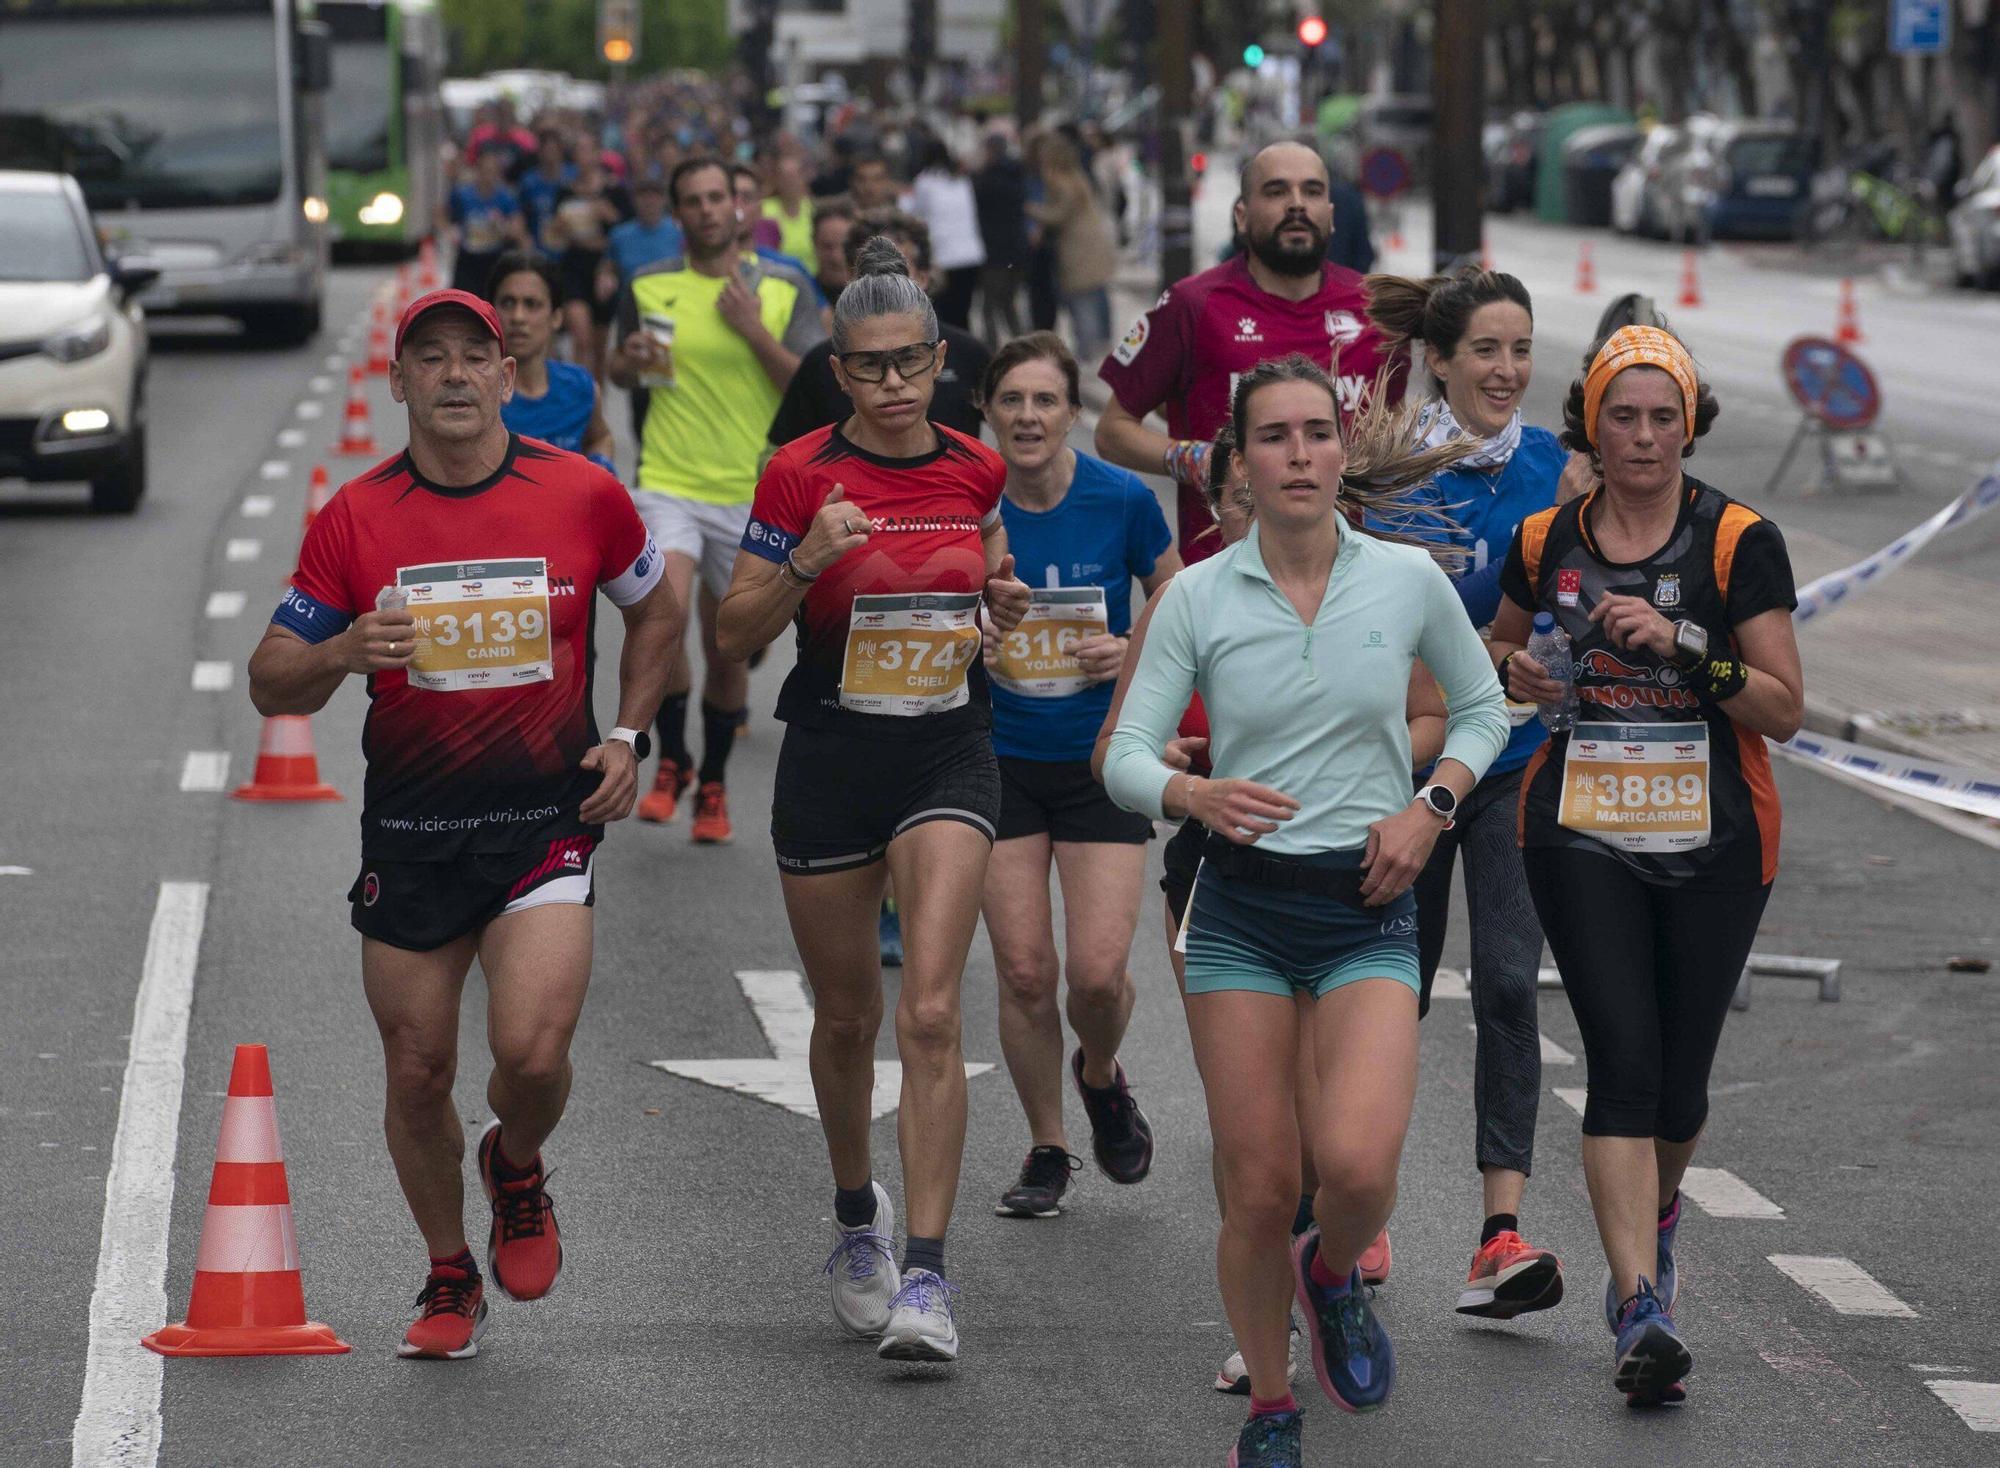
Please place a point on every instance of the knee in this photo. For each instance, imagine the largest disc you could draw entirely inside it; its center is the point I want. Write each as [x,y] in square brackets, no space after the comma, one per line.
[1681,1117]
[847,1030]
[1098,986]
[1261,1199]
[1357,1174]
[536,1063]
[420,1075]
[928,1022]
[1629,1109]
[1027,980]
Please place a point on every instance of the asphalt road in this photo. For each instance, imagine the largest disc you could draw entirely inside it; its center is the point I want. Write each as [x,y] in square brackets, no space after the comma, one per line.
[691,1325]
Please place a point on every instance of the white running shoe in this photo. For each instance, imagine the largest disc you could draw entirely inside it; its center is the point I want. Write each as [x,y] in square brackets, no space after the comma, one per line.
[921,1327]
[1234,1377]
[862,1267]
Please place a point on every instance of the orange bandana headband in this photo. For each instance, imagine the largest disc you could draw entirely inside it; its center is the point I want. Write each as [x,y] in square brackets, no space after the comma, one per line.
[1637,346]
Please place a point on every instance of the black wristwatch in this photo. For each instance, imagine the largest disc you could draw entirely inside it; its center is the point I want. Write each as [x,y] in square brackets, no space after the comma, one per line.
[1690,645]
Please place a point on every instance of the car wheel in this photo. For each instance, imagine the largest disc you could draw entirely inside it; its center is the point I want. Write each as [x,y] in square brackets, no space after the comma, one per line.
[119,492]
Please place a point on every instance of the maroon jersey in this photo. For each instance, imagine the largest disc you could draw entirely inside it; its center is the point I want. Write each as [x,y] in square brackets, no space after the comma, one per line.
[477,747]
[1184,355]
[926,519]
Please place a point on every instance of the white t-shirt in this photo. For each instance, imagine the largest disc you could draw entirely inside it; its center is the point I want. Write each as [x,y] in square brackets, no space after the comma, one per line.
[945,203]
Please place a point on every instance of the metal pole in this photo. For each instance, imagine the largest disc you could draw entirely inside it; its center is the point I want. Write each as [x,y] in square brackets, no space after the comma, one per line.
[1030,47]
[1458,89]
[1176,102]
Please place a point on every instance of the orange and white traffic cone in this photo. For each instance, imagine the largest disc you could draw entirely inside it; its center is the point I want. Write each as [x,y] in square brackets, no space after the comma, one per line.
[427,266]
[378,343]
[287,767]
[357,437]
[1847,331]
[318,491]
[1690,281]
[248,1297]
[1586,271]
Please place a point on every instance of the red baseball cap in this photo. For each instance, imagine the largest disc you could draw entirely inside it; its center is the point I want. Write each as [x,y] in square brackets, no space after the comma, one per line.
[483,309]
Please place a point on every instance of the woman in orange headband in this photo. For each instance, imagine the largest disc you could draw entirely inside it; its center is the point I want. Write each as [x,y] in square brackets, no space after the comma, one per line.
[1650,829]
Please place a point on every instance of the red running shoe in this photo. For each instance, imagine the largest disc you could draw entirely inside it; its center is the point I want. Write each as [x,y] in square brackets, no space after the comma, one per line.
[711,816]
[451,1314]
[524,1251]
[1509,1277]
[1375,1261]
[657,805]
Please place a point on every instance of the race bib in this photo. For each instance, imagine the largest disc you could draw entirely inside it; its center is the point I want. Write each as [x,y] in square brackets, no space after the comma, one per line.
[907,655]
[480,624]
[1638,787]
[1038,658]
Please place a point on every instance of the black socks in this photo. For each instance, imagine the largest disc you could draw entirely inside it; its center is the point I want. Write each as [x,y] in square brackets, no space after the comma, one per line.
[852,1207]
[718,737]
[921,1253]
[1496,1224]
[672,722]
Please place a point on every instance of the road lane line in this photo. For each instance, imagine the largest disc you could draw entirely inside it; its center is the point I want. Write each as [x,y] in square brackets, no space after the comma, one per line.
[1554,1054]
[320,384]
[273,469]
[291,438]
[1720,1193]
[118,1420]
[205,770]
[1843,1284]
[243,550]
[222,605]
[310,409]
[212,677]
[1573,1097]
[334,362]
[258,506]
[1976,1402]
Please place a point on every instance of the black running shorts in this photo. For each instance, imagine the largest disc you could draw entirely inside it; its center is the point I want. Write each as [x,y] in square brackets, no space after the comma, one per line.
[421,905]
[840,799]
[1062,800]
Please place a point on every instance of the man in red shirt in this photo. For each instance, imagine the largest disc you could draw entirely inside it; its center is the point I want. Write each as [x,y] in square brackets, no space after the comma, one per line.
[1280,295]
[458,577]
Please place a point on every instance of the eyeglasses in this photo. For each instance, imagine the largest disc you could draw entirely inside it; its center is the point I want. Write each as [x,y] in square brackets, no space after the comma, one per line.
[910,362]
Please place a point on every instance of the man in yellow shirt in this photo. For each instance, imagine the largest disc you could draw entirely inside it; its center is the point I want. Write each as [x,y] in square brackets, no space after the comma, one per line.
[790,204]
[714,338]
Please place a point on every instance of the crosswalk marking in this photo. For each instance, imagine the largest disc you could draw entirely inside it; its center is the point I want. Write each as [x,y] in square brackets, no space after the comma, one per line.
[1976,1402]
[1720,1193]
[1843,1284]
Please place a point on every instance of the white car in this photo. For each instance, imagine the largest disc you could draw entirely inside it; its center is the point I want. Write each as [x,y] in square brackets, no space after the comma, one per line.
[72,346]
[1974,223]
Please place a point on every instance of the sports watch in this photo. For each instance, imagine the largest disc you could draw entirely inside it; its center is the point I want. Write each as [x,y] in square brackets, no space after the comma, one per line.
[1690,645]
[1440,802]
[639,739]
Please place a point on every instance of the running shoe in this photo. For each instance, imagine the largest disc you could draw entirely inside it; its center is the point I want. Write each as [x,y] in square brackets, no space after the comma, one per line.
[1044,1179]
[1375,1260]
[1666,1270]
[657,805]
[921,1327]
[524,1251]
[889,932]
[1269,1441]
[1234,1377]
[451,1316]
[1509,1277]
[1650,1354]
[1352,1357]
[711,816]
[862,1267]
[1120,1136]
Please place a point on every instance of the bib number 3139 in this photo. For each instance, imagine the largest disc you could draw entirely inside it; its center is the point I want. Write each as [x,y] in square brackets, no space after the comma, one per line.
[907,655]
[1638,787]
[1038,658]
[480,624]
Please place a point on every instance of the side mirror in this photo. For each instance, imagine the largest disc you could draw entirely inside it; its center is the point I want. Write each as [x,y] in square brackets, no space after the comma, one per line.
[133,274]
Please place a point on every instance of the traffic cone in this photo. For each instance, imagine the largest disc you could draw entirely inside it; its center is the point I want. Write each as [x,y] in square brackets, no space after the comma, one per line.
[1485,255]
[318,492]
[1690,281]
[1848,330]
[287,768]
[357,437]
[378,343]
[1396,237]
[427,265]
[1586,271]
[248,1298]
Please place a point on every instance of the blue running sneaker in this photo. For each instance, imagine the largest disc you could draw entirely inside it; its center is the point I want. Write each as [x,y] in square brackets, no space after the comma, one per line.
[889,933]
[1269,1441]
[1665,1270]
[1351,1353]
[1651,1356]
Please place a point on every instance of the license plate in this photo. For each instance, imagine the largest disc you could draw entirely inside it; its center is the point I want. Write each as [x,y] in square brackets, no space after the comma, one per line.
[1772,188]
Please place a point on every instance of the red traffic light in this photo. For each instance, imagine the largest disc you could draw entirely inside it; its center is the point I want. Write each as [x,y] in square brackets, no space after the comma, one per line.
[1312,30]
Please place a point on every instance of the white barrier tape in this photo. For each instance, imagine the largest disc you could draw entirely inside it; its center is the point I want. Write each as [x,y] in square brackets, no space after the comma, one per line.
[1965,790]
[1831,589]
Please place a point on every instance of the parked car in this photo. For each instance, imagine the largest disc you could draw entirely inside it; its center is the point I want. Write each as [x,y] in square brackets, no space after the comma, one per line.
[72,345]
[1592,158]
[1513,152]
[1736,180]
[1635,205]
[1402,123]
[1974,225]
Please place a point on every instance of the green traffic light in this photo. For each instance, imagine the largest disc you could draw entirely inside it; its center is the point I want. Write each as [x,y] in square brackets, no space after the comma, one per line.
[1253,55]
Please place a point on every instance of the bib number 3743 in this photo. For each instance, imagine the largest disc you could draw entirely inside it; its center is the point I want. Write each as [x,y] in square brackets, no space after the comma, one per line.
[480,624]
[1638,787]
[908,655]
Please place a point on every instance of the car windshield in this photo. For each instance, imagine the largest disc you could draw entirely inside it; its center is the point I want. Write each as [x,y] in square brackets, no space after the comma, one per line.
[1781,153]
[146,110]
[357,110]
[40,238]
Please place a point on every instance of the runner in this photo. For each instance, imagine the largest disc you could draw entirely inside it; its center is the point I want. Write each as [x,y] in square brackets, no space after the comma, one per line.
[553,401]
[833,222]
[1304,636]
[1280,296]
[715,340]
[878,537]
[586,211]
[1477,330]
[1081,532]
[790,205]
[749,189]
[488,786]
[486,221]
[1650,831]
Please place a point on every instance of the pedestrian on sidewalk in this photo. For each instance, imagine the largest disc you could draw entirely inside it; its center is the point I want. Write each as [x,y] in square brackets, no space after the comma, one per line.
[1000,190]
[1086,247]
[942,196]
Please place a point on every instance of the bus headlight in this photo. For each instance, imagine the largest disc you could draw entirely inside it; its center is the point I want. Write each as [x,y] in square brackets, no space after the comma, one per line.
[382,210]
[315,209]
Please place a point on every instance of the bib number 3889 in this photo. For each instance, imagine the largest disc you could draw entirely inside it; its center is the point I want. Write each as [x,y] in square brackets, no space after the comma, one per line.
[908,655]
[480,624]
[1638,787]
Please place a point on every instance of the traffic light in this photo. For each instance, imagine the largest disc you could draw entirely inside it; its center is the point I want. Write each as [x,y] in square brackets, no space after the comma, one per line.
[618,30]
[1312,30]
[1253,55]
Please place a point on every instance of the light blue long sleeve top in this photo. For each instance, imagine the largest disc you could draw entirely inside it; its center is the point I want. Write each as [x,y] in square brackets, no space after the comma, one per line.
[1314,712]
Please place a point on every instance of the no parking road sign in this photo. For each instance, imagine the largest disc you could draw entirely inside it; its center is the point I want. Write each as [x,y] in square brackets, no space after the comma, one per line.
[1831,383]
[1385,173]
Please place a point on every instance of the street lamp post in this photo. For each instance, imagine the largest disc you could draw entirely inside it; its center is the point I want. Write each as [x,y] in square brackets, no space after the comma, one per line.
[1458,91]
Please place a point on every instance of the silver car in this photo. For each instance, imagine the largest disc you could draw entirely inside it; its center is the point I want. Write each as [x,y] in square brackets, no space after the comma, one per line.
[1974,224]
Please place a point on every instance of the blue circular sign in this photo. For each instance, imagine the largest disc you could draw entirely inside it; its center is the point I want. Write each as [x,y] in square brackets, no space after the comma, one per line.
[1385,173]
[1831,383]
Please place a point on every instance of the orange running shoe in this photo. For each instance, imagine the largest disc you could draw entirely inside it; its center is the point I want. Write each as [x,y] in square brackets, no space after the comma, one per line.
[658,804]
[1375,1260]
[524,1251]
[711,816]
[1509,1277]
[451,1314]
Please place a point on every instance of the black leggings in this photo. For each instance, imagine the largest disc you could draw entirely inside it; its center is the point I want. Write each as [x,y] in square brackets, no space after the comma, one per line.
[1650,971]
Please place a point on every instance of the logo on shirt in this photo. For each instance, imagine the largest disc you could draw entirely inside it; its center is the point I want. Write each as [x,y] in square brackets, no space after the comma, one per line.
[1134,338]
[1569,586]
[1374,640]
[1343,327]
[566,586]
[1080,571]
[1400,927]
[371,890]
[1246,329]
[1624,685]
[1667,593]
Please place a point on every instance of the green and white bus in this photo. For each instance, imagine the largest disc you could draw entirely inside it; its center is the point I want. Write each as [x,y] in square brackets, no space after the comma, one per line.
[193,127]
[385,126]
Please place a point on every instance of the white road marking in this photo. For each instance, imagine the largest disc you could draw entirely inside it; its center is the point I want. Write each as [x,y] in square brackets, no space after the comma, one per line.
[17,871]
[205,770]
[274,469]
[1554,1054]
[118,1420]
[258,506]
[212,677]
[310,409]
[1929,1370]
[223,605]
[1843,1284]
[1976,1402]
[291,438]
[1720,1193]
[243,550]
[334,362]
[1573,1097]
[1449,983]
[320,384]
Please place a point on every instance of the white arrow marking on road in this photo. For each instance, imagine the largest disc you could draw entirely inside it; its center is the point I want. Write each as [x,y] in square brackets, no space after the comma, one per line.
[222,605]
[1843,1284]
[1573,1097]
[1976,1402]
[205,770]
[1720,1193]
[778,999]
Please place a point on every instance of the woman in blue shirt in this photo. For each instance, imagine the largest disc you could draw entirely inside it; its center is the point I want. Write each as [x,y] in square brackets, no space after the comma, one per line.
[553,401]
[1477,330]
[1081,532]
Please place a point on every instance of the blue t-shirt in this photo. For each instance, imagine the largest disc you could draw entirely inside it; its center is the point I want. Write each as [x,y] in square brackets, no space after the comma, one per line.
[560,416]
[538,193]
[632,246]
[1107,531]
[482,218]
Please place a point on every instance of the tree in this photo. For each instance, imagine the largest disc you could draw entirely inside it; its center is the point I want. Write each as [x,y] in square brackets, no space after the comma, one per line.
[561,35]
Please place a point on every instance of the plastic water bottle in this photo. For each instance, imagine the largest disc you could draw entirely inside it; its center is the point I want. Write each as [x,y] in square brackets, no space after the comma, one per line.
[1549,646]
